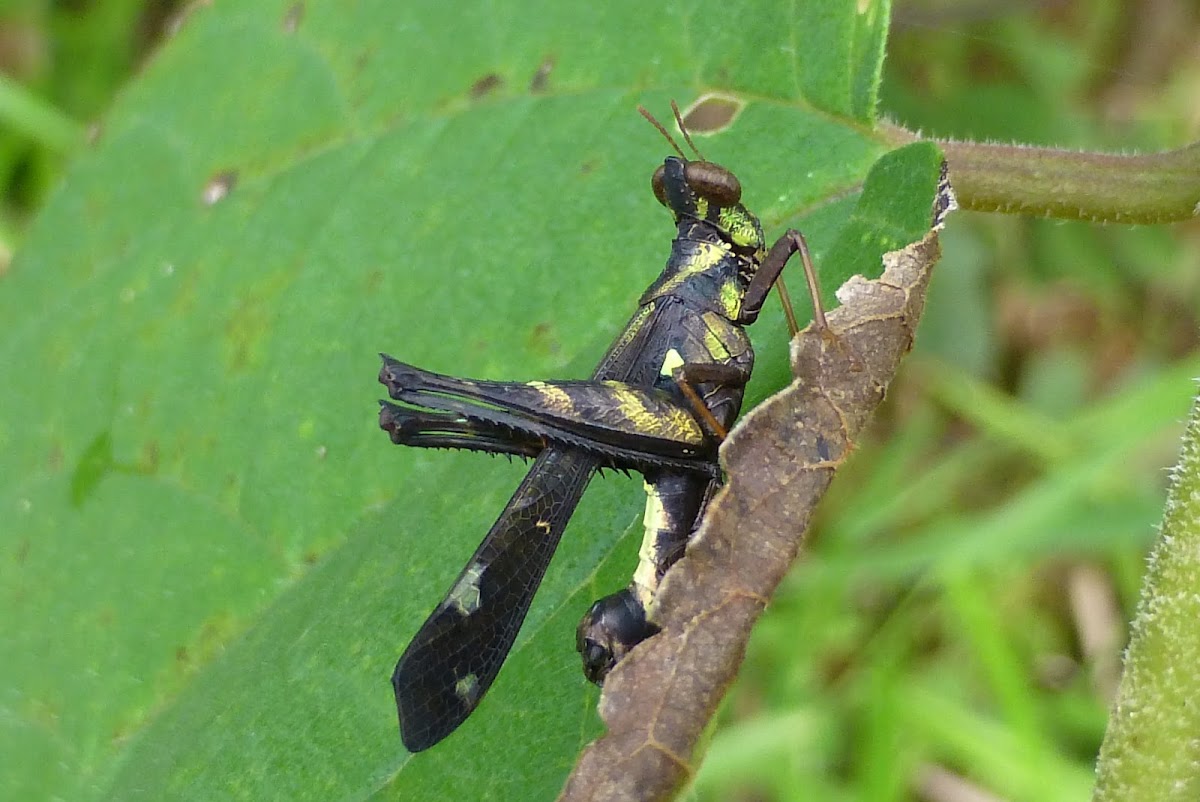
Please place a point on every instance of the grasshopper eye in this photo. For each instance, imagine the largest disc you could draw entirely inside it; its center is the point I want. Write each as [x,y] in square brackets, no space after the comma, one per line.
[656,183]
[714,182]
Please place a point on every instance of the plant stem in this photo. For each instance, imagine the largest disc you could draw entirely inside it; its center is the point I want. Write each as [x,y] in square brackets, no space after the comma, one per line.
[1072,185]
[1150,751]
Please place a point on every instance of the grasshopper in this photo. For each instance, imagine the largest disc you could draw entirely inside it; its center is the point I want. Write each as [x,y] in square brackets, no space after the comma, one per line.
[659,402]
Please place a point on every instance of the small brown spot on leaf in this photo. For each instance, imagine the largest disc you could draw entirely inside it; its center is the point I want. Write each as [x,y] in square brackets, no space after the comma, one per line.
[293,17]
[374,280]
[149,457]
[486,86]
[543,340]
[247,328]
[541,79]
[219,187]
[712,113]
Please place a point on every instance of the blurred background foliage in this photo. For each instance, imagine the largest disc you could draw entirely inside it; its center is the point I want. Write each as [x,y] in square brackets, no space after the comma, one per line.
[957,623]
[61,63]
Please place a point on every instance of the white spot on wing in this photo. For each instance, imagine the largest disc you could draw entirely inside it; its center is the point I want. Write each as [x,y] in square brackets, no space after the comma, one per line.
[464,596]
[467,689]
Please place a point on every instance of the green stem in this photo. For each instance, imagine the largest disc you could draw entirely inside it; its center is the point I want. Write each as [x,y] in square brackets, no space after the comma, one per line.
[1072,185]
[1150,751]
[20,109]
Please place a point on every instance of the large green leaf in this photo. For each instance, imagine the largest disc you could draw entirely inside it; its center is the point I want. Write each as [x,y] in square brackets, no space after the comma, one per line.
[211,556]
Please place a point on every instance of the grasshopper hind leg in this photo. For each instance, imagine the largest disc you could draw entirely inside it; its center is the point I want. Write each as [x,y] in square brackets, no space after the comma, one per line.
[610,628]
[617,623]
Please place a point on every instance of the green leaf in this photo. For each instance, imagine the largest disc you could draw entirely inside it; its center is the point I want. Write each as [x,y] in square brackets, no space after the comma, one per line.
[212,557]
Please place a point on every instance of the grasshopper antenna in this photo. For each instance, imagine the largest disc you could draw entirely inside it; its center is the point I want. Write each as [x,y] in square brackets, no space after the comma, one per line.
[686,136]
[650,118]
[682,128]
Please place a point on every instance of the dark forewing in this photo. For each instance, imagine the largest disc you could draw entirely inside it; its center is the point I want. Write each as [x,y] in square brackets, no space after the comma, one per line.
[458,651]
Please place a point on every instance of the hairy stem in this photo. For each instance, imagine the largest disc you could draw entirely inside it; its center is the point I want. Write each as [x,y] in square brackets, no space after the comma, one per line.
[1072,185]
[1150,751]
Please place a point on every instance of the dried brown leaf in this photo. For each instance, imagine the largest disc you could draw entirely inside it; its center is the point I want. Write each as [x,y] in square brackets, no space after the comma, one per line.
[780,460]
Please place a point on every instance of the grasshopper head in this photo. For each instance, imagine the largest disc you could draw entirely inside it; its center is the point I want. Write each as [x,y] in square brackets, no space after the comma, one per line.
[701,190]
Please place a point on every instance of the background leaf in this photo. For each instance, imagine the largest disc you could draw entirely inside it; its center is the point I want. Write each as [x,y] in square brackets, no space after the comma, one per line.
[214,555]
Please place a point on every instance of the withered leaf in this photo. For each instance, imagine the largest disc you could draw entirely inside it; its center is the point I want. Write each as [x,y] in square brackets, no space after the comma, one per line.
[779,461]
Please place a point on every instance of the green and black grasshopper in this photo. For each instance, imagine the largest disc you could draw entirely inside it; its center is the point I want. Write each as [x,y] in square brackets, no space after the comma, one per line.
[659,403]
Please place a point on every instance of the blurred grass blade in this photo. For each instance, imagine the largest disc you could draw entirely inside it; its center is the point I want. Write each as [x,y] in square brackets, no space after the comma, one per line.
[24,111]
